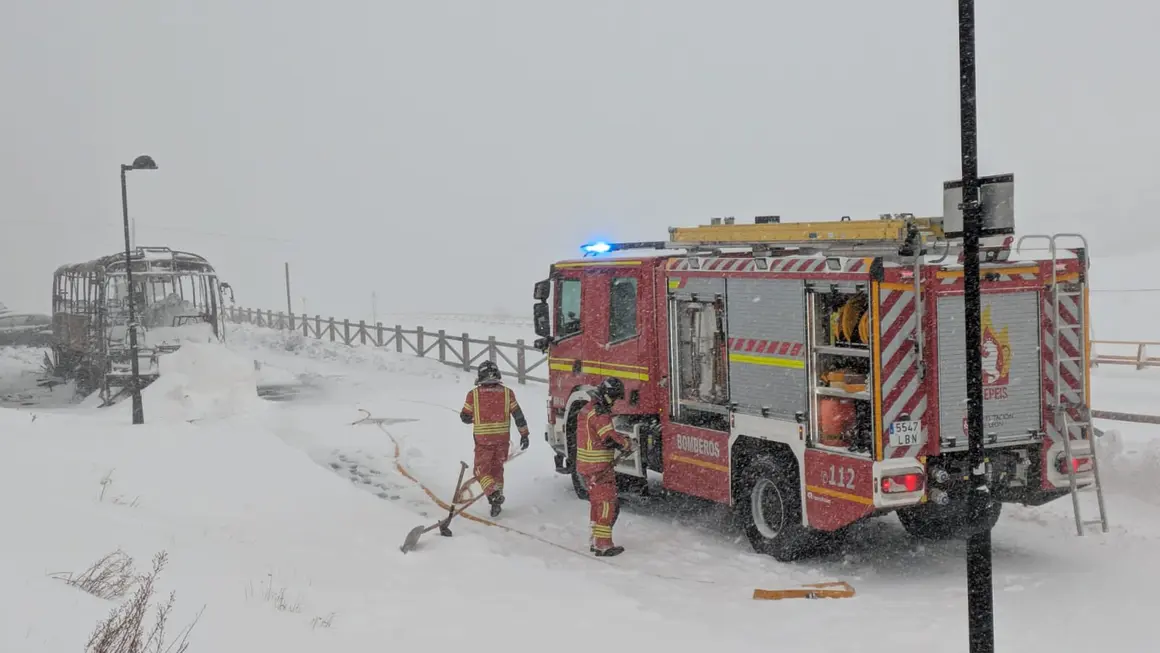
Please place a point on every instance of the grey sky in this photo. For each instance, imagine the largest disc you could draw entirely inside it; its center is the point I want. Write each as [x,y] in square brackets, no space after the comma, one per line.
[444,153]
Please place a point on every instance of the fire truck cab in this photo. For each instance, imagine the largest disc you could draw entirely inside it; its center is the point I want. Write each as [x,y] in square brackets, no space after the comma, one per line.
[812,375]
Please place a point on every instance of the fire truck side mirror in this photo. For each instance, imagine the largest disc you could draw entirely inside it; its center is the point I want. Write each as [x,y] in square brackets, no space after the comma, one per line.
[542,290]
[542,320]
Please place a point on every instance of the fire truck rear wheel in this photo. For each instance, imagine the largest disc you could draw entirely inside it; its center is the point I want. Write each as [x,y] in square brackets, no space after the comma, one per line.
[771,509]
[930,521]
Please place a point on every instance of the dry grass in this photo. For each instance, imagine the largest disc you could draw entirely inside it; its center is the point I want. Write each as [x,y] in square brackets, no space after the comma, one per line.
[120,500]
[322,622]
[108,578]
[275,597]
[124,630]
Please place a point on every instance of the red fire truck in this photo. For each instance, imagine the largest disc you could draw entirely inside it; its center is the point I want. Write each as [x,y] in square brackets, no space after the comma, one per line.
[812,375]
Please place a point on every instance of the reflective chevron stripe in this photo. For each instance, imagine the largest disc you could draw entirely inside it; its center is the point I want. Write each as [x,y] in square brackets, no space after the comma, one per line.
[785,264]
[1070,371]
[901,389]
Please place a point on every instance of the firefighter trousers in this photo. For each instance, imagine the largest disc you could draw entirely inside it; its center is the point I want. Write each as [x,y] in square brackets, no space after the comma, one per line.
[489,461]
[604,508]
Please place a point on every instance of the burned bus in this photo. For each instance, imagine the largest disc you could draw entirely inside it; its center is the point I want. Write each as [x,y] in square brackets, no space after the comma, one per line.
[177,297]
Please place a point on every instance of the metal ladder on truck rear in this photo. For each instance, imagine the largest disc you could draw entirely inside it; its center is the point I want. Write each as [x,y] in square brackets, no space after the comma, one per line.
[1062,409]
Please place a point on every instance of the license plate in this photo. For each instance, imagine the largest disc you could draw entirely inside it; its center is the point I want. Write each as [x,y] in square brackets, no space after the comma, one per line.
[905,434]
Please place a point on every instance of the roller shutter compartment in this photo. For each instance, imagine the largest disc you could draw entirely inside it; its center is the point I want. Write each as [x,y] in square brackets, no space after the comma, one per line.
[1012,395]
[767,346]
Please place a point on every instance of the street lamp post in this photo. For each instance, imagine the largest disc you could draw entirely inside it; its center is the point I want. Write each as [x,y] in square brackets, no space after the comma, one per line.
[980,593]
[143,162]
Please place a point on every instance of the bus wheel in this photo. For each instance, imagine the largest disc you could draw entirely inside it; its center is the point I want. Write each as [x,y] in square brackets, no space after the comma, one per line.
[771,508]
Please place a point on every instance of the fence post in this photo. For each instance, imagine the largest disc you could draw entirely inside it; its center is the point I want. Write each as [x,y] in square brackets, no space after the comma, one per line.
[521,362]
[281,321]
[379,333]
[292,321]
[491,348]
[362,331]
[346,332]
[1140,357]
[399,338]
[318,326]
[419,340]
[466,352]
[442,346]
[331,328]
[270,319]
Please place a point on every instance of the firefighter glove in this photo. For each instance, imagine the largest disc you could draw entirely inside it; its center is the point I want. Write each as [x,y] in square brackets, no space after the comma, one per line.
[524,442]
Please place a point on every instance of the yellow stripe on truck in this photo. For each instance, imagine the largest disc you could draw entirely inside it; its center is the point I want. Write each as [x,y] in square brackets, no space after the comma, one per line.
[845,496]
[596,264]
[772,361]
[631,372]
[604,371]
[699,463]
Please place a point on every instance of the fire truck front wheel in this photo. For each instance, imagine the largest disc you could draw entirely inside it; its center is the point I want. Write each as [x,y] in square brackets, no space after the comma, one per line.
[578,484]
[770,507]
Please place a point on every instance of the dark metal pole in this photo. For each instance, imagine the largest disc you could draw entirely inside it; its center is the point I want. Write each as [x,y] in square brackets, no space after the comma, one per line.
[289,304]
[980,594]
[138,410]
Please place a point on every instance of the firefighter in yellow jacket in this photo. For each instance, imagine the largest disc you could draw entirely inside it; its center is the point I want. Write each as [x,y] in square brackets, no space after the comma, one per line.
[490,408]
[596,440]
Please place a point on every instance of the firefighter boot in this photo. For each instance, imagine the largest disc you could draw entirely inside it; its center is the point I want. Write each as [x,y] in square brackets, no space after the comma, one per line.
[496,501]
[609,552]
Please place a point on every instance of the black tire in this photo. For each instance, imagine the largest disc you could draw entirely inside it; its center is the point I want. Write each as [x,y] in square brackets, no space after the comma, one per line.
[770,507]
[930,521]
[578,484]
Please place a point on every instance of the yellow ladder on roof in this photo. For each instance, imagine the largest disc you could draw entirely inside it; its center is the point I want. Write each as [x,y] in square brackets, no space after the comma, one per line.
[891,231]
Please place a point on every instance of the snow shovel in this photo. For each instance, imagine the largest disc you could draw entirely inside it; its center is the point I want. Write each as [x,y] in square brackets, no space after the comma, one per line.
[418,531]
[464,493]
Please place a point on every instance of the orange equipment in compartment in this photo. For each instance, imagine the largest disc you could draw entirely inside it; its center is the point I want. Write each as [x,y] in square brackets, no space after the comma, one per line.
[836,418]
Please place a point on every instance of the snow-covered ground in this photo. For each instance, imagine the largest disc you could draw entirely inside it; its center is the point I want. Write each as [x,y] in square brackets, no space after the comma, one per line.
[251,497]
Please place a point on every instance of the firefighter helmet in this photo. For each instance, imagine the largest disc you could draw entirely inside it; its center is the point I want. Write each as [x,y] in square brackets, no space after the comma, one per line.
[488,373]
[610,390]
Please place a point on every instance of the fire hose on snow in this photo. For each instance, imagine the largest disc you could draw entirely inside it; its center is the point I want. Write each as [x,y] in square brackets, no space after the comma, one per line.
[460,503]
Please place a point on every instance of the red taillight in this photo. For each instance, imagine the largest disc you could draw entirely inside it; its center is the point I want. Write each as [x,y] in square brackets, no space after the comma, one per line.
[1078,465]
[903,483]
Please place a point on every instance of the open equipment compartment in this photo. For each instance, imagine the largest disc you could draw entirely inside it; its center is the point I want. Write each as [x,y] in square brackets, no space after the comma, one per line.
[840,332]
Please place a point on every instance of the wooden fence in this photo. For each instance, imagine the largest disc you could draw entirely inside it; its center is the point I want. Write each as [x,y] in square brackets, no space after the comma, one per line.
[1137,357]
[516,359]
[520,359]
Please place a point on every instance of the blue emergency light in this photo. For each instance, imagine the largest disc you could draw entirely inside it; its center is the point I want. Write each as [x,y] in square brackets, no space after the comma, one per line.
[597,248]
